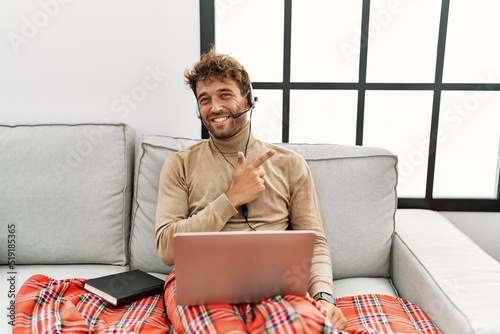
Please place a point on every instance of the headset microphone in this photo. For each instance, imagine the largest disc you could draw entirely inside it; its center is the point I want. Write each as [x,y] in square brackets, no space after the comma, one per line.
[235,116]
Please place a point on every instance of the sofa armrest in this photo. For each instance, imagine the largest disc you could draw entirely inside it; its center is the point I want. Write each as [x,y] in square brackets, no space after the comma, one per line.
[437,267]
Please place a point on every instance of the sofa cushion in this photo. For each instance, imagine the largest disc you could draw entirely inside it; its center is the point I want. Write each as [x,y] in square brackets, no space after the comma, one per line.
[66,191]
[356,286]
[356,187]
[151,154]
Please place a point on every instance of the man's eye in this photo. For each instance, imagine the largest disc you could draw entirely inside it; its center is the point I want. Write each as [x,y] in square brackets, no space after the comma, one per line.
[203,101]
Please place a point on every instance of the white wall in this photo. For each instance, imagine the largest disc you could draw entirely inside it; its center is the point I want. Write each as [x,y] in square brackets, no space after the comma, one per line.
[96,61]
[121,61]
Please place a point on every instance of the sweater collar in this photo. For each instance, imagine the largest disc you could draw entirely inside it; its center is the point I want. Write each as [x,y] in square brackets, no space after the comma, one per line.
[234,144]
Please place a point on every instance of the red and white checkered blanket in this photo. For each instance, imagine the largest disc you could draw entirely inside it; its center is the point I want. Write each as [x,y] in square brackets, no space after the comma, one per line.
[44,305]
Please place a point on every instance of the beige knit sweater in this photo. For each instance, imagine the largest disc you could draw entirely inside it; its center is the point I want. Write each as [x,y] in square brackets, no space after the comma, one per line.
[192,198]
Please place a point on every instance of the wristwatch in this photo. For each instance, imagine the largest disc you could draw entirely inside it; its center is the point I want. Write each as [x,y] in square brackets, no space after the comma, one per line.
[325,296]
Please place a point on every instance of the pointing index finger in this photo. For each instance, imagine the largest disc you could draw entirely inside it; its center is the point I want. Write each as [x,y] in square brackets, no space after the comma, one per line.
[263,158]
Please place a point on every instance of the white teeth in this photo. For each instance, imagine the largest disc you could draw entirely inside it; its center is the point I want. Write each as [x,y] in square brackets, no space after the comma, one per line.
[220,119]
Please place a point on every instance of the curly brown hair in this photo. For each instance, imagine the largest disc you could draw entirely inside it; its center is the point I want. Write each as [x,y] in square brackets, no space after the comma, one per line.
[213,66]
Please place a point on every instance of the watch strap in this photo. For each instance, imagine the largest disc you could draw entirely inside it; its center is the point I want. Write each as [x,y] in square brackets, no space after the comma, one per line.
[325,296]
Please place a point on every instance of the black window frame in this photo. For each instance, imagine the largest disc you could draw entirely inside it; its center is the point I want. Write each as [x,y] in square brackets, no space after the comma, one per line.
[207,39]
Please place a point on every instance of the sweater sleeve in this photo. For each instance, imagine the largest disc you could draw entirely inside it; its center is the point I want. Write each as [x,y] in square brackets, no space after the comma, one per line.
[305,214]
[173,212]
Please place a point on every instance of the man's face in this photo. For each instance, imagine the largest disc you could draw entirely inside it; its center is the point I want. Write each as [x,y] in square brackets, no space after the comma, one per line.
[218,101]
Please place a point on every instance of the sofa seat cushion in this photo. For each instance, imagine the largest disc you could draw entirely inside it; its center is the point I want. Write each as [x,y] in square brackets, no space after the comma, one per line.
[62,271]
[363,285]
[66,192]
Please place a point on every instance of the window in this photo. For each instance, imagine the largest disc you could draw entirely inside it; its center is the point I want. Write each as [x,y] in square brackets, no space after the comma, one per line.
[420,78]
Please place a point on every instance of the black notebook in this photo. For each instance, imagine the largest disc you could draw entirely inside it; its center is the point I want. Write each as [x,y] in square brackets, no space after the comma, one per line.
[124,288]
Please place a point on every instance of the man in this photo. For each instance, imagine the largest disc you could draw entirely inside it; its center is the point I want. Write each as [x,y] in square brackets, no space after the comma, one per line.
[234,182]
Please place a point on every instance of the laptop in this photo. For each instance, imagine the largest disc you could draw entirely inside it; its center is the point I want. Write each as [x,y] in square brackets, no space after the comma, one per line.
[241,267]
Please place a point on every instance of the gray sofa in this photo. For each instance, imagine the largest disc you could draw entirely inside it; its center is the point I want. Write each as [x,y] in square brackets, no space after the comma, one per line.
[79,201]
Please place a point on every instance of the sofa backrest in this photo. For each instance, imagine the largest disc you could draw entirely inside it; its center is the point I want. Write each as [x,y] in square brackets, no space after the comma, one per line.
[356,188]
[66,190]
[151,154]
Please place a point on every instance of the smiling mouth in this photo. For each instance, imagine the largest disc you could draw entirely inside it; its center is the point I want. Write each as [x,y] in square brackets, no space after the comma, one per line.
[220,119]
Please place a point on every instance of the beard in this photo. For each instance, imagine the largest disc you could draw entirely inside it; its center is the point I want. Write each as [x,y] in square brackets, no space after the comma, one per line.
[229,130]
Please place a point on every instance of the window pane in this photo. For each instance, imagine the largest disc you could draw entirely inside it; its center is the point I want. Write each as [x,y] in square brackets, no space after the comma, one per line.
[325,40]
[472,48]
[267,116]
[402,46]
[323,116]
[252,32]
[468,147]
[400,121]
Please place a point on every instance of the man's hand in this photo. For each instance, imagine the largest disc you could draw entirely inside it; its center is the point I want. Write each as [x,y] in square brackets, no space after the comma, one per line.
[248,181]
[334,314]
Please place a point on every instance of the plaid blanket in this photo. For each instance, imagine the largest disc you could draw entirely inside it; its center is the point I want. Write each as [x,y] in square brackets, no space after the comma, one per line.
[373,314]
[44,305]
